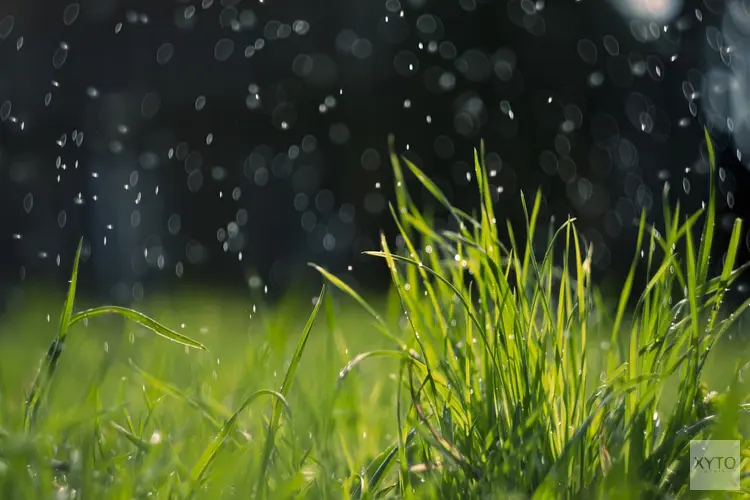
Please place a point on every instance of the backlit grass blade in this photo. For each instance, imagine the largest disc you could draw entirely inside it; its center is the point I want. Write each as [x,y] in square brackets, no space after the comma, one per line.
[444,280]
[726,273]
[704,253]
[379,467]
[175,393]
[47,370]
[359,358]
[138,442]
[209,454]
[358,298]
[628,285]
[65,318]
[142,320]
[286,384]
[439,196]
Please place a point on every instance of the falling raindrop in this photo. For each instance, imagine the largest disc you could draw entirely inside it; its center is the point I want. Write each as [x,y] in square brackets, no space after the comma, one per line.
[28,202]
[70,14]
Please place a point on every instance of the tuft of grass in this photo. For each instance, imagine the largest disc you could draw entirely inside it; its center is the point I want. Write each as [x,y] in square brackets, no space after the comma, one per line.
[504,389]
[498,370]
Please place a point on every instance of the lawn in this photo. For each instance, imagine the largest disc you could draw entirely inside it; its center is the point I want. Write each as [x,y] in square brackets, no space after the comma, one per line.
[492,368]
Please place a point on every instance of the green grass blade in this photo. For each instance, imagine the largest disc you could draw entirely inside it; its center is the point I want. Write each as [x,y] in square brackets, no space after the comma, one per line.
[276,413]
[65,318]
[379,467]
[142,320]
[726,273]
[628,285]
[358,298]
[47,370]
[138,442]
[176,393]
[707,237]
[209,454]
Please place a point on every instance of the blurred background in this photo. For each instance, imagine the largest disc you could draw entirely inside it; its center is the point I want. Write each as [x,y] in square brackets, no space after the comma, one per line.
[230,142]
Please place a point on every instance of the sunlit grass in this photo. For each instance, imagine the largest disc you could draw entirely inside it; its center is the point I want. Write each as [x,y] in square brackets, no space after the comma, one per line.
[492,368]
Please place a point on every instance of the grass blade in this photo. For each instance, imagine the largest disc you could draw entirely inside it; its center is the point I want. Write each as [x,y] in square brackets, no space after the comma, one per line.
[47,370]
[142,320]
[276,413]
[209,454]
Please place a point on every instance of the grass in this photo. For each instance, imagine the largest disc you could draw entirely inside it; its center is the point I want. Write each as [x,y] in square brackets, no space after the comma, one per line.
[493,368]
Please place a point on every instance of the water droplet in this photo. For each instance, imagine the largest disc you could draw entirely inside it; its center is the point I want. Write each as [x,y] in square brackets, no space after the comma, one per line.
[200,103]
[28,202]
[6,26]
[5,109]
[70,14]
[150,105]
[223,49]
[60,56]
[164,53]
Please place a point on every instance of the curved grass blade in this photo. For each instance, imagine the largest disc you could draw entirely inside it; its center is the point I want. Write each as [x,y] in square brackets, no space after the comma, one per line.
[707,237]
[175,393]
[379,467]
[276,414]
[209,454]
[440,277]
[65,319]
[549,485]
[726,273]
[53,354]
[359,358]
[362,302]
[435,191]
[138,442]
[142,320]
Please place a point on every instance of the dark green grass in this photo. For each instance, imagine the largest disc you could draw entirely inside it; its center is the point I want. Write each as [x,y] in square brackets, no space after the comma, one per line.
[493,368]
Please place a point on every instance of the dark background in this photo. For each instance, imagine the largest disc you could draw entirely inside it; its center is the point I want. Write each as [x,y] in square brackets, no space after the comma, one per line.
[231,142]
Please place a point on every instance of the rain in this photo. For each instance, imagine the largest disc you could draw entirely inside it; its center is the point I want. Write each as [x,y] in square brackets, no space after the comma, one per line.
[224,148]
